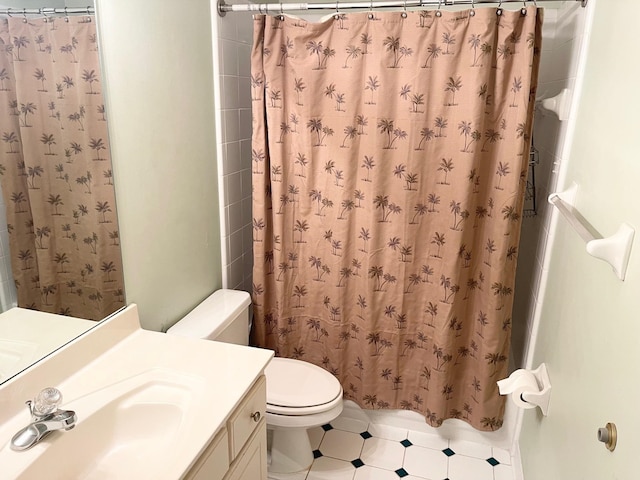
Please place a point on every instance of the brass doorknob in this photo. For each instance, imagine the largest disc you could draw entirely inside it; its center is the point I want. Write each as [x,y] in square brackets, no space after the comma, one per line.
[256,416]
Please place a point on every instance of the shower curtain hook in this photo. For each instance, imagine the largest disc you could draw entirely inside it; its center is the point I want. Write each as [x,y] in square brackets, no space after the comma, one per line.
[371,16]
[24,14]
[9,12]
[499,10]
[336,16]
[523,10]
[438,12]
[404,13]
[281,16]
[66,15]
[472,13]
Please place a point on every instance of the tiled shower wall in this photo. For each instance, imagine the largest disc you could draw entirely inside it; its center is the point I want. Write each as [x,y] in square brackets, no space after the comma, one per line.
[563,35]
[233,129]
[8,298]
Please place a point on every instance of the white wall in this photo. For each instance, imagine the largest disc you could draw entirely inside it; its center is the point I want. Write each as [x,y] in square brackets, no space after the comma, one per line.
[158,69]
[589,328]
[233,128]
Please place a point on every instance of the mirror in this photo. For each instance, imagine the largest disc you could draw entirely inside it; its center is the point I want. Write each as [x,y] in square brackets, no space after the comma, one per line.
[27,335]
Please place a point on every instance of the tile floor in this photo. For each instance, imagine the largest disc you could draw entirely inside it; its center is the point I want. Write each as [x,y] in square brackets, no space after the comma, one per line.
[350,449]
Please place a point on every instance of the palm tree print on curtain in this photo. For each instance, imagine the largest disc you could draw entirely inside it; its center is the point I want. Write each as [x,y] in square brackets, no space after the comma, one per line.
[56,171]
[387,219]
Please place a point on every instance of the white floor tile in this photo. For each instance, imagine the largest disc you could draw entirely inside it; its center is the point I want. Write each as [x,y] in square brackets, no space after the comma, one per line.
[503,472]
[341,445]
[325,468]
[426,463]
[428,440]
[470,449]
[381,453]
[372,473]
[503,456]
[350,424]
[315,437]
[387,432]
[462,467]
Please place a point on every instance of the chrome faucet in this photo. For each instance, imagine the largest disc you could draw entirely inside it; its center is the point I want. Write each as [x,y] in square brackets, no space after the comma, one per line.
[46,417]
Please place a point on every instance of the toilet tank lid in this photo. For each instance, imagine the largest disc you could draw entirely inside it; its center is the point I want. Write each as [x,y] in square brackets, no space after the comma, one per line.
[212,315]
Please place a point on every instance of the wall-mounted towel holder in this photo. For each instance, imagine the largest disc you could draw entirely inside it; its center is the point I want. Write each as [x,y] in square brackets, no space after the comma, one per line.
[559,104]
[614,250]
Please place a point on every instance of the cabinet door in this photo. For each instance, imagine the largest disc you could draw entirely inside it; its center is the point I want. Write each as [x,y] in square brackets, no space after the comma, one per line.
[251,464]
[246,417]
[214,462]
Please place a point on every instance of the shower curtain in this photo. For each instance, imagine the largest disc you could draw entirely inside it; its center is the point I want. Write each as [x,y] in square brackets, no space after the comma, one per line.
[390,158]
[55,168]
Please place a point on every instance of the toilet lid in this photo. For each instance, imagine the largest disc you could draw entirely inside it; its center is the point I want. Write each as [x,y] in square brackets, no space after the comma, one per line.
[298,384]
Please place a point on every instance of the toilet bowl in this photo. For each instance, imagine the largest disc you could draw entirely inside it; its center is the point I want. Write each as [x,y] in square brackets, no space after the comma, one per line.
[300,395]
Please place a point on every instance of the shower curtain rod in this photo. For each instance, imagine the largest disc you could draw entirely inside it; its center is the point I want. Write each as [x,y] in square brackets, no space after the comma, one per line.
[337,6]
[19,12]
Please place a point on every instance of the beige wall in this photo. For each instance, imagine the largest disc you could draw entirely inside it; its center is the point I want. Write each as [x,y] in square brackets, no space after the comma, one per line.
[589,333]
[159,96]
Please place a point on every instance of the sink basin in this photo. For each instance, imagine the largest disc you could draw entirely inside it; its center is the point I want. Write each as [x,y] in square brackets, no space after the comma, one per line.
[123,430]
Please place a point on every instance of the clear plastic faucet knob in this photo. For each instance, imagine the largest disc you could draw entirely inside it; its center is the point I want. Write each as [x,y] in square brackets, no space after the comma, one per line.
[47,401]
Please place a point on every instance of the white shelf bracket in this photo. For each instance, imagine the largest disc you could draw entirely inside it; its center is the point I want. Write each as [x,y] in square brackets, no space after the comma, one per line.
[560,104]
[615,250]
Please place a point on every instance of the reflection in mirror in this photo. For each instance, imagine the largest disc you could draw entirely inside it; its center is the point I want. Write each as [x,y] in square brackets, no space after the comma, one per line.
[26,336]
[60,240]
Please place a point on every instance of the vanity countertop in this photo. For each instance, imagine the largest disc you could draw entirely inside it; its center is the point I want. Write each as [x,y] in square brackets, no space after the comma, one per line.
[211,379]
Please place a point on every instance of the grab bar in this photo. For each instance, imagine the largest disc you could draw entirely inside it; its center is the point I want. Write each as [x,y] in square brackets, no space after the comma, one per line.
[615,249]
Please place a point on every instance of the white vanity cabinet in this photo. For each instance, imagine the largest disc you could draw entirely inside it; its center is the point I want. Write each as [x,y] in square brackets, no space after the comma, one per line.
[239,450]
[183,398]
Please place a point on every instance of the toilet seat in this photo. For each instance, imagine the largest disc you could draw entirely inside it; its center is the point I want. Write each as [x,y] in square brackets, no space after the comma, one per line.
[298,388]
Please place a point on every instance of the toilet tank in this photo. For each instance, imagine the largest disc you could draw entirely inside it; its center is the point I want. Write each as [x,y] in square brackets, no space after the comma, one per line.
[223,316]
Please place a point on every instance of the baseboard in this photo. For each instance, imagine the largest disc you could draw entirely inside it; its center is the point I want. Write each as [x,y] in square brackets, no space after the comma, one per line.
[516,462]
[451,429]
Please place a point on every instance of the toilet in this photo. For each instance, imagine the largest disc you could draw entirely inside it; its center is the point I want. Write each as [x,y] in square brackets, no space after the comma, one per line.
[300,395]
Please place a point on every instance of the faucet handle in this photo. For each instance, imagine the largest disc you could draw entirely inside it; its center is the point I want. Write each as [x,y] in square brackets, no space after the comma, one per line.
[46,402]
